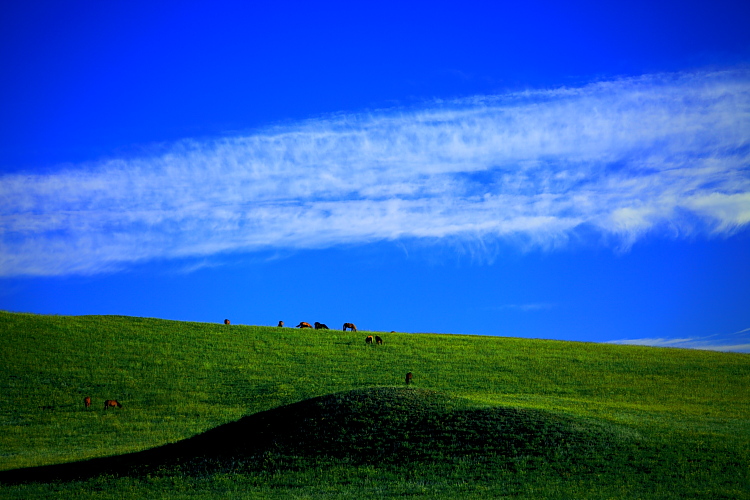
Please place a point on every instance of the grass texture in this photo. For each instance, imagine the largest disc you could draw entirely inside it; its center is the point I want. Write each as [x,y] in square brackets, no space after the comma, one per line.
[214,410]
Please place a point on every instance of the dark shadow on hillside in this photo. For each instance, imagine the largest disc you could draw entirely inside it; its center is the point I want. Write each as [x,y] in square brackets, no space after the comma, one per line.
[377,426]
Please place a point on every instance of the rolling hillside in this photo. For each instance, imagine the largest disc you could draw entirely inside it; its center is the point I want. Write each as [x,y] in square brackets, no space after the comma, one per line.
[213,409]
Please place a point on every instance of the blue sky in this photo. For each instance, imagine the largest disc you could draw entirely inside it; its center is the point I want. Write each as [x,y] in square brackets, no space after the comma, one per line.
[571,171]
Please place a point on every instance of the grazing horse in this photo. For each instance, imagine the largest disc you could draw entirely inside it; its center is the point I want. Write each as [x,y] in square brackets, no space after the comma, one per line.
[408,378]
[304,324]
[378,340]
[112,403]
[87,401]
[350,326]
[320,326]
[281,324]
[226,322]
[368,340]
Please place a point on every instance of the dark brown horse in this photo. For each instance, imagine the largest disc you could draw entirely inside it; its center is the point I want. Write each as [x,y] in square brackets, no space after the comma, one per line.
[281,324]
[350,326]
[408,378]
[111,403]
[368,340]
[87,401]
[378,340]
[226,322]
[321,326]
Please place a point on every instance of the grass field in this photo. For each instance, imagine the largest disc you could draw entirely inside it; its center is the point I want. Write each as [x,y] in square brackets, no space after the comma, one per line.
[321,414]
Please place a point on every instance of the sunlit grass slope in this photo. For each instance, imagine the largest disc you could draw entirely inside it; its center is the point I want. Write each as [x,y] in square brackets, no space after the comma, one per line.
[579,419]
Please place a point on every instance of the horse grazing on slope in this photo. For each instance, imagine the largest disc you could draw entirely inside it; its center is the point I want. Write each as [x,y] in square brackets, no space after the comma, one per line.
[408,378]
[368,340]
[351,326]
[87,401]
[304,324]
[112,403]
[378,340]
[321,326]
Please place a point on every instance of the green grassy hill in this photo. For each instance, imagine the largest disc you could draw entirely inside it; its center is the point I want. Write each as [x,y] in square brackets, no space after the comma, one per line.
[321,414]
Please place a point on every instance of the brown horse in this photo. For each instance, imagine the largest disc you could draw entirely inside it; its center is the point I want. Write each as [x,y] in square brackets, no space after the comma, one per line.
[111,403]
[87,401]
[226,322]
[350,326]
[321,326]
[281,324]
[368,340]
[408,378]
[304,325]
[378,340]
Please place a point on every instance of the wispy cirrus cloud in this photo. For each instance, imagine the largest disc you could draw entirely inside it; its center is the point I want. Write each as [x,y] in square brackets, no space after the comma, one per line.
[733,342]
[531,307]
[620,158]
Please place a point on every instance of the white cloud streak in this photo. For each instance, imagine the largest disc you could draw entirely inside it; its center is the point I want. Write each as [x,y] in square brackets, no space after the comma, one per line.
[726,343]
[624,158]
[534,307]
